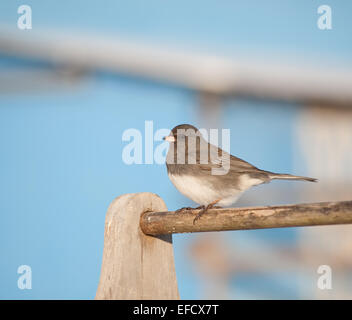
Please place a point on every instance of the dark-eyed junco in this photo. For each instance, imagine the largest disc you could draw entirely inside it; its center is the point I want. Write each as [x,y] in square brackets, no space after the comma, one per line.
[208,175]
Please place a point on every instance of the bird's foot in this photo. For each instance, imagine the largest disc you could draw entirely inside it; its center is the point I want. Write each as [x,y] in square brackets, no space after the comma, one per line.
[205,209]
[188,208]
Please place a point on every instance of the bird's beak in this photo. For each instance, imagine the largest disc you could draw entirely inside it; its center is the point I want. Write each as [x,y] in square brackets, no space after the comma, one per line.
[169,138]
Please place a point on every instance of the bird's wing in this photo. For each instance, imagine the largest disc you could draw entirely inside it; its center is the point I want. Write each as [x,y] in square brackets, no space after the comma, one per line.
[221,159]
[241,165]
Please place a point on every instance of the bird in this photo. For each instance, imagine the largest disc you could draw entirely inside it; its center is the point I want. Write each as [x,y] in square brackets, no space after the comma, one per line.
[193,166]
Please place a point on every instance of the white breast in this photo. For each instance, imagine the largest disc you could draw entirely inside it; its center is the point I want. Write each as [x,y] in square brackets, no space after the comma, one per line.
[202,193]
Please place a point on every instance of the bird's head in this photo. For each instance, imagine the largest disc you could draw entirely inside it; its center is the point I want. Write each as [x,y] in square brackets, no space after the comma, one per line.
[182,131]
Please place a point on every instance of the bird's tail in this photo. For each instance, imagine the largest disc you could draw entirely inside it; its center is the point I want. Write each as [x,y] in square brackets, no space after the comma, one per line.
[285,176]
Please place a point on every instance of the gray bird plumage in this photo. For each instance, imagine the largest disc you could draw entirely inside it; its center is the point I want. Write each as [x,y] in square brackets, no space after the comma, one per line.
[191,162]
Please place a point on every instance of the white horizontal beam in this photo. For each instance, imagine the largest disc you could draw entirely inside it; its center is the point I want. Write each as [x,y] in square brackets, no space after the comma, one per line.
[213,74]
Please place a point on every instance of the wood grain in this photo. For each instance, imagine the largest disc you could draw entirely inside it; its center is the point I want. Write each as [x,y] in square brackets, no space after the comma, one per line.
[135,265]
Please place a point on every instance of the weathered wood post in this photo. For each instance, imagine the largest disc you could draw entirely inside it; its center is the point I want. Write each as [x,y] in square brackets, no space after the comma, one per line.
[136,266]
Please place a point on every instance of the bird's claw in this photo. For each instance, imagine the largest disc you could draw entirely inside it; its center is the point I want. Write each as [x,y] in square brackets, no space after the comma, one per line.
[204,210]
[200,213]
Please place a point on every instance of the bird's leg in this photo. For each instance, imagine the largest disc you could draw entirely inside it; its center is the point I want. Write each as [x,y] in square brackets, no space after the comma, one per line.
[188,208]
[205,209]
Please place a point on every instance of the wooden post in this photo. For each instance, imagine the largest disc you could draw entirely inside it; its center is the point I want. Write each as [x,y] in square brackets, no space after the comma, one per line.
[312,214]
[136,266]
